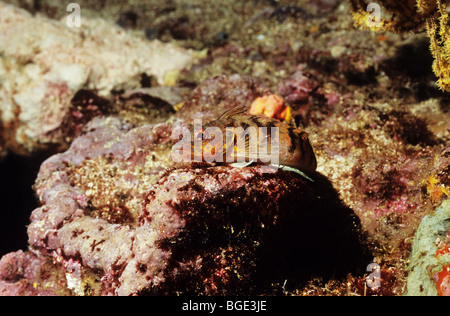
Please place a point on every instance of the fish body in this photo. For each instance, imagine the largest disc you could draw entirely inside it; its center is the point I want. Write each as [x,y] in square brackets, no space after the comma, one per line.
[292,144]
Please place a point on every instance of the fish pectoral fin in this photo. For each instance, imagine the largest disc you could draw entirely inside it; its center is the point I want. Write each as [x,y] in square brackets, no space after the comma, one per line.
[297,171]
[241,164]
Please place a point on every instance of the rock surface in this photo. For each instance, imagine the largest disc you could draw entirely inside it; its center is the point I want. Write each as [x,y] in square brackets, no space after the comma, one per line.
[378,124]
[118,219]
[218,94]
[430,258]
[39,79]
[25,274]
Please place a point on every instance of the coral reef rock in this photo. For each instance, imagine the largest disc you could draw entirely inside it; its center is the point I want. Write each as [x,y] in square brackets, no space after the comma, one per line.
[218,94]
[117,218]
[44,62]
[430,257]
[25,274]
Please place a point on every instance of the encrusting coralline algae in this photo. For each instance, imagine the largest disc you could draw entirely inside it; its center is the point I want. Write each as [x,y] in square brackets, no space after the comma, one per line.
[40,79]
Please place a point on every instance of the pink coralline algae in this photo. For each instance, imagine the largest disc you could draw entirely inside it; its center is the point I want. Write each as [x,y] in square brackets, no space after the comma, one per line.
[214,96]
[27,274]
[303,92]
[118,219]
[398,207]
[298,88]
[115,215]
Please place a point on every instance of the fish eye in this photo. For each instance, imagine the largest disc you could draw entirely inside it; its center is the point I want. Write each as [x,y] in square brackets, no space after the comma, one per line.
[200,135]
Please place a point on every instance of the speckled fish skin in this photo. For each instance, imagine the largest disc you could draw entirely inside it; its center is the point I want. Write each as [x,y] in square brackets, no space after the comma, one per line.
[295,149]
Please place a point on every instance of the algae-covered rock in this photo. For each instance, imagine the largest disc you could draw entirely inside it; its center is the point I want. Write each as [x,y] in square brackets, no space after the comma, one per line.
[430,258]
[25,274]
[44,62]
[119,219]
[218,94]
[117,216]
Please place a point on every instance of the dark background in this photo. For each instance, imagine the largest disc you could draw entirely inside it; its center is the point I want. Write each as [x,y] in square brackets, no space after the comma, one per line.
[17,201]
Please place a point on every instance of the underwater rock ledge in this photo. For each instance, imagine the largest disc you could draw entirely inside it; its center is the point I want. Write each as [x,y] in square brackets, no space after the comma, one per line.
[118,219]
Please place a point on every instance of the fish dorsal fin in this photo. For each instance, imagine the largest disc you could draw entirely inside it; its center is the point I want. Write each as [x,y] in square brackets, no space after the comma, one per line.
[239,109]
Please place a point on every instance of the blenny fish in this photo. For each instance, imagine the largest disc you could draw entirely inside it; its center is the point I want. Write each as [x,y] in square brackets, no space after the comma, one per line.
[295,152]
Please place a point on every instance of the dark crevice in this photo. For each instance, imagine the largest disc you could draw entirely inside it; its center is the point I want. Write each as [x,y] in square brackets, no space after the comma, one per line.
[17,201]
